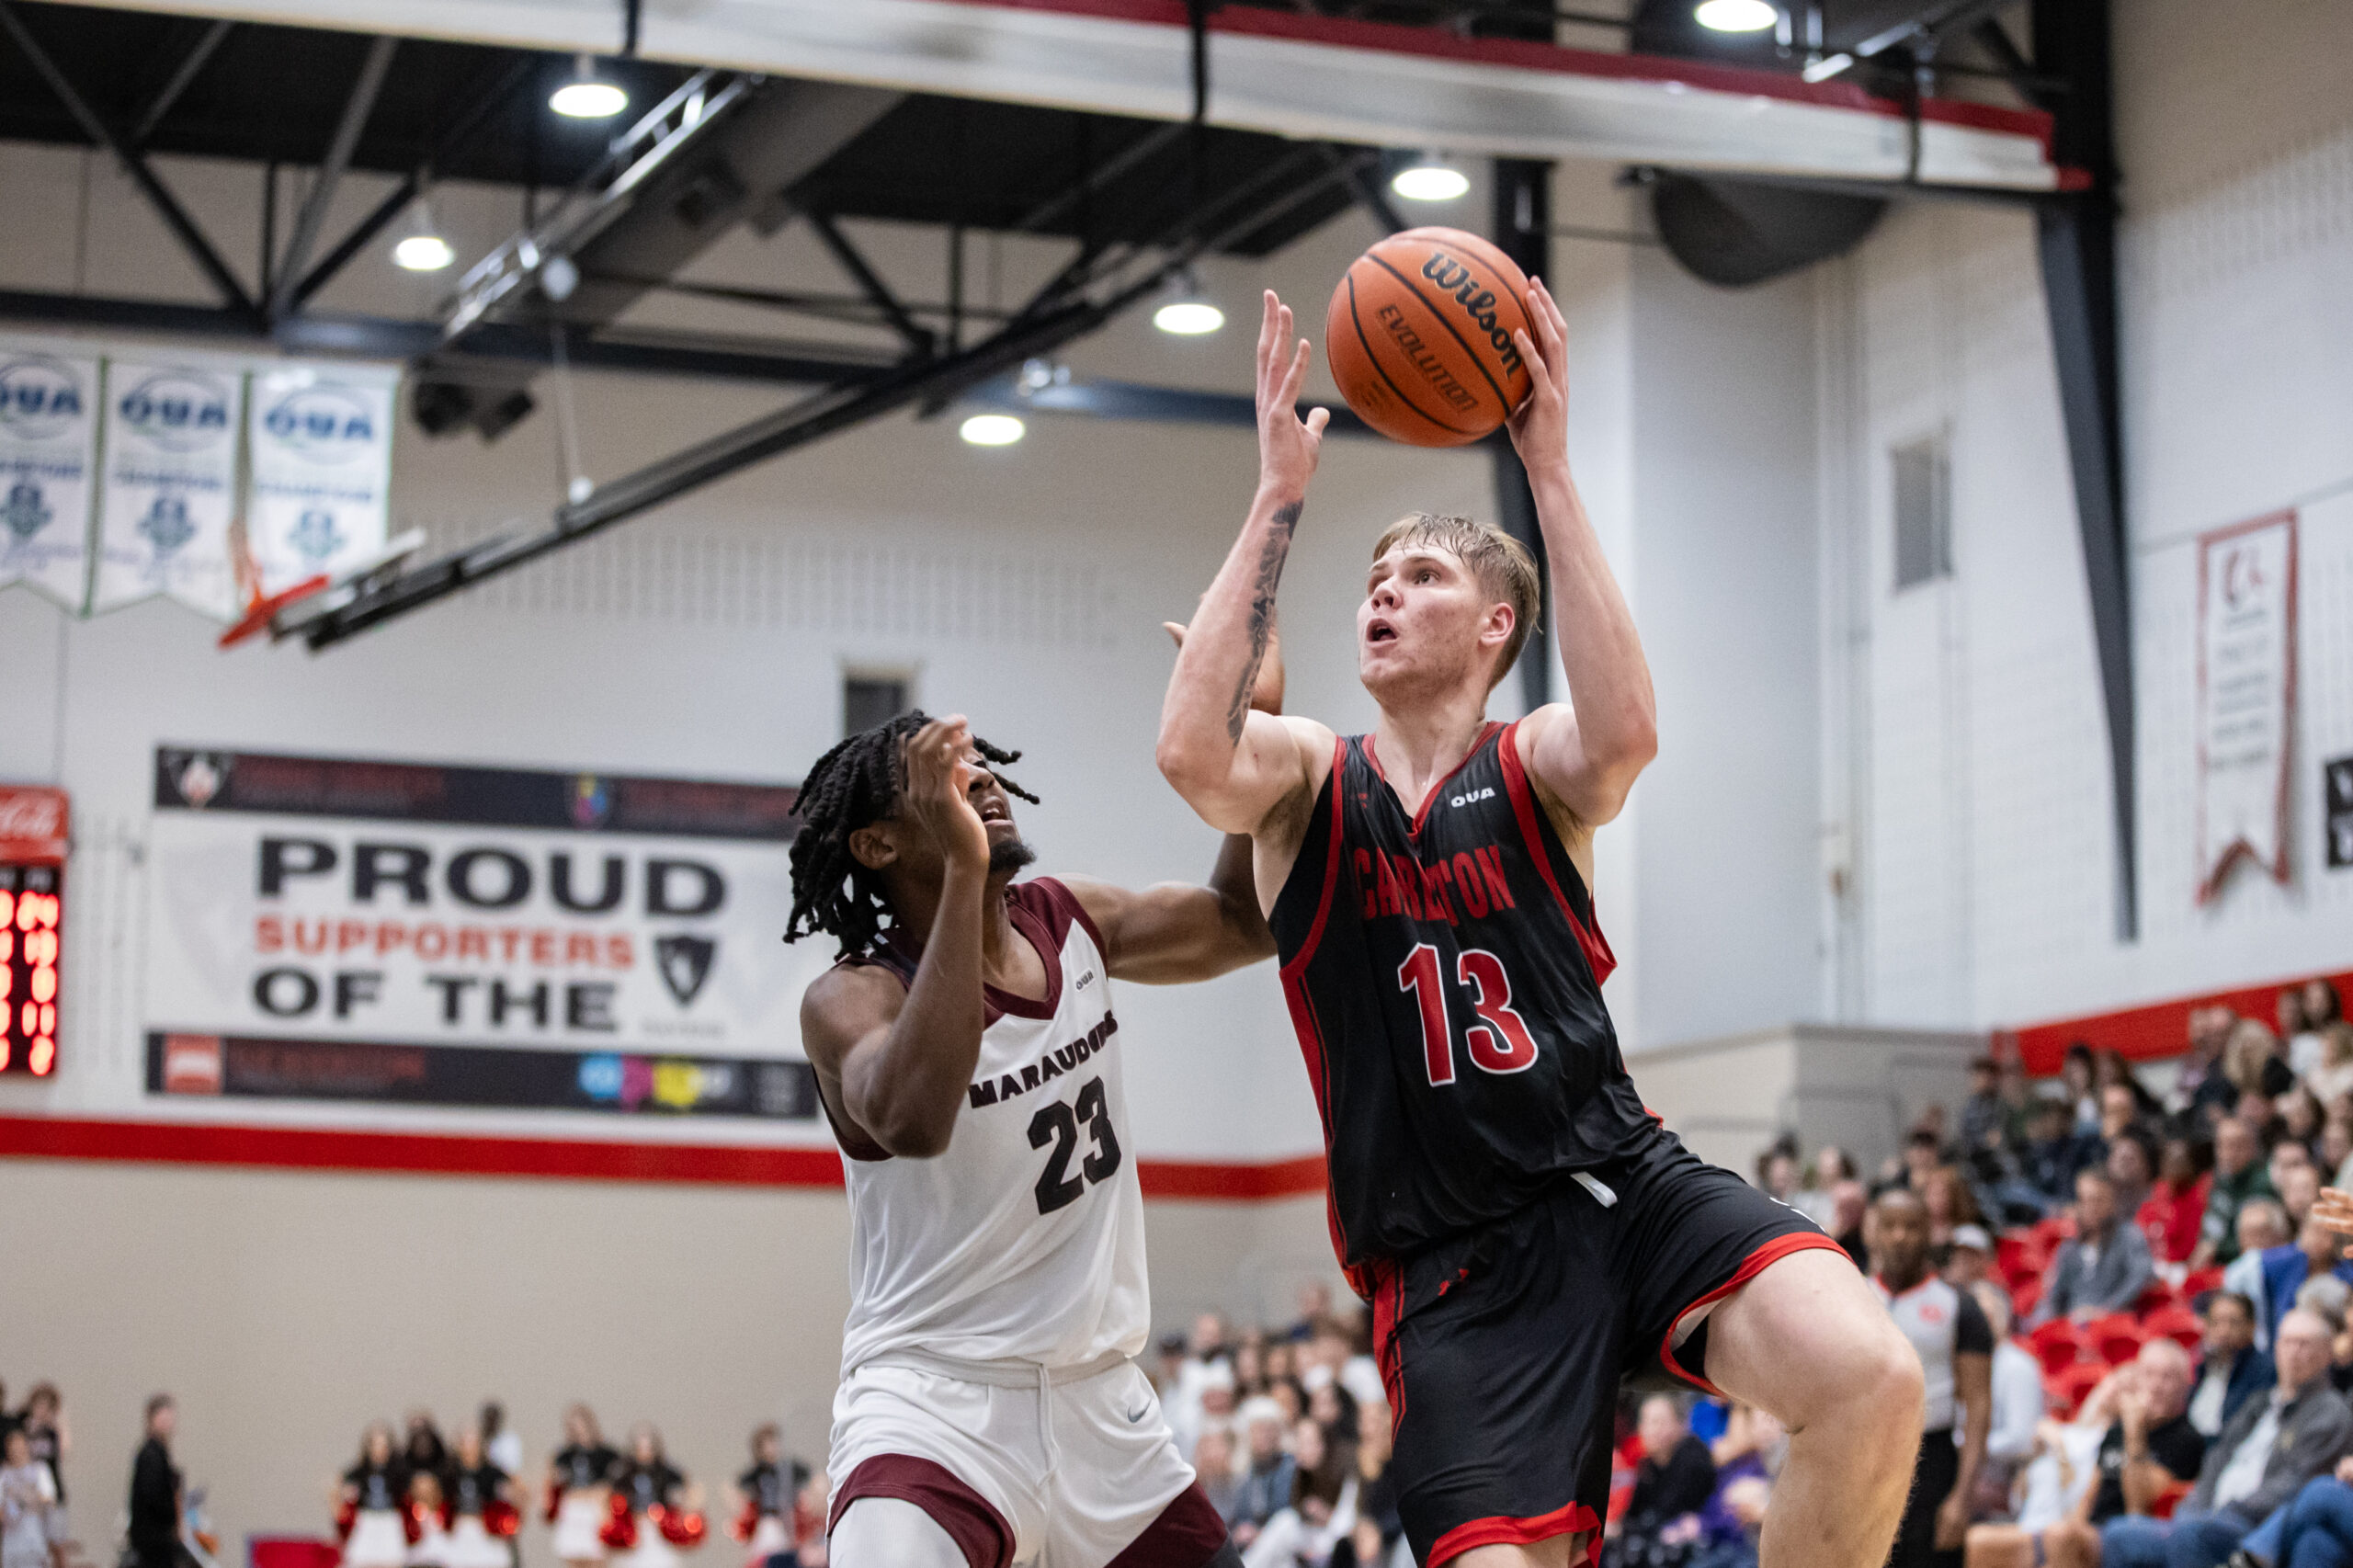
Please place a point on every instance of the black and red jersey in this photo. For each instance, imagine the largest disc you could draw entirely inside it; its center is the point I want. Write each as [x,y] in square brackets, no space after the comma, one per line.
[1444,972]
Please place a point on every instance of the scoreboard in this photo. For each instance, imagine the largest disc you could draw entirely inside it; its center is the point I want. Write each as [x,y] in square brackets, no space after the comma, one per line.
[32,922]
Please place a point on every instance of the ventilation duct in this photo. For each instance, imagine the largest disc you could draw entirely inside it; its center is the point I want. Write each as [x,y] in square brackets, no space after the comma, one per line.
[1736,233]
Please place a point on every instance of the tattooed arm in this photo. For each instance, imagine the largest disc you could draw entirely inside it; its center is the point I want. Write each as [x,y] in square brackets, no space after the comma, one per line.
[1234,767]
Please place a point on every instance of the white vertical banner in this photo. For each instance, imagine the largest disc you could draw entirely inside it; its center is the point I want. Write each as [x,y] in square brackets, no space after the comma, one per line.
[320,449]
[2247,695]
[49,433]
[171,436]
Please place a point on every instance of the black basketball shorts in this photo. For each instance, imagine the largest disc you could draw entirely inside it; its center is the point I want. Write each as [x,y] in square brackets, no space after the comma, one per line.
[1503,1348]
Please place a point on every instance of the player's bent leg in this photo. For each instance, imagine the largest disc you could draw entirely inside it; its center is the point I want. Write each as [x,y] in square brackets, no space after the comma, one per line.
[1808,1341]
[1997,1546]
[884,1532]
[1559,1552]
[2070,1544]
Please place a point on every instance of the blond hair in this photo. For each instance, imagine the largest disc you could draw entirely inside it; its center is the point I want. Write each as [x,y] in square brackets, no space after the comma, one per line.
[1499,562]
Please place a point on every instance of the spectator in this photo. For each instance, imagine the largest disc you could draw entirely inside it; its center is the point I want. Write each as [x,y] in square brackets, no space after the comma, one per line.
[2054,1150]
[1265,1486]
[1213,1465]
[2132,1168]
[2263,1225]
[1968,1257]
[2288,1013]
[1321,1513]
[2251,1060]
[1984,1119]
[27,1504]
[1673,1483]
[2333,1079]
[1315,1310]
[2202,1092]
[1950,1206]
[1379,1532]
[2105,1266]
[2111,1071]
[424,1453]
[46,1436]
[501,1443]
[2239,1175]
[1846,1227]
[1212,1405]
[2298,1181]
[2235,1370]
[1816,1199]
[2335,1152]
[1956,1349]
[2116,1469]
[2175,1208]
[2300,1117]
[2317,1251]
[1923,1151]
[154,1531]
[1777,1175]
[2120,1114]
[2075,1076]
[2263,1458]
[2017,1404]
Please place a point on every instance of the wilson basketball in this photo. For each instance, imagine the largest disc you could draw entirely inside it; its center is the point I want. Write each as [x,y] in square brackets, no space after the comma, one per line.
[1419,337]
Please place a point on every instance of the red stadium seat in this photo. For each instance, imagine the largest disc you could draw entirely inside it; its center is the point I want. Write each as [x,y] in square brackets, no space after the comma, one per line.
[2178,1324]
[2117,1343]
[2055,1344]
[2159,1295]
[2023,1296]
[2200,1281]
[2065,1390]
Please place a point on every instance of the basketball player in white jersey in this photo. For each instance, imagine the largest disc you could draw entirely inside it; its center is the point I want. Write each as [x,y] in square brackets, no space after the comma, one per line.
[969,1057]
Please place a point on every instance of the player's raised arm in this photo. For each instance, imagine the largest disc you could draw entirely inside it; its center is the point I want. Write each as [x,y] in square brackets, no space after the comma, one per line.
[898,1062]
[1233,765]
[1589,758]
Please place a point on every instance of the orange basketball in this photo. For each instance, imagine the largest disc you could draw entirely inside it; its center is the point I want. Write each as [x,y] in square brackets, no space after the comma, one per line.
[1420,338]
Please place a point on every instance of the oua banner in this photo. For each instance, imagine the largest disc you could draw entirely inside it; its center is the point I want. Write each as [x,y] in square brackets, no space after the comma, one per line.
[170,496]
[319,445]
[48,424]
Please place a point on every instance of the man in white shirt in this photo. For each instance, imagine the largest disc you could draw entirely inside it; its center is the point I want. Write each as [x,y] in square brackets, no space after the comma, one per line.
[2265,1455]
[2234,1367]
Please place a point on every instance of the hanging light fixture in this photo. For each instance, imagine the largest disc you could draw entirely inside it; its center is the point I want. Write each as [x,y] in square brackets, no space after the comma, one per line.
[1183,312]
[992,430]
[1429,178]
[1737,15]
[422,249]
[586,95]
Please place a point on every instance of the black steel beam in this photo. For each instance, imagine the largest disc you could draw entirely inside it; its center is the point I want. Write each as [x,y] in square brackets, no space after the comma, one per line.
[357,107]
[183,75]
[1364,184]
[1120,162]
[158,195]
[920,339]
[1523,231]
[460,136]
[2076,239]
[1140,402]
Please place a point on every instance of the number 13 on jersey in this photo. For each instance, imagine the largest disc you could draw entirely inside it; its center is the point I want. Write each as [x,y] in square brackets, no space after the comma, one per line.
[1497,1041]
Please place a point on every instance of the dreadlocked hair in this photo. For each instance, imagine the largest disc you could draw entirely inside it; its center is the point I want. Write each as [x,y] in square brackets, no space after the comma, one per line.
[851,785]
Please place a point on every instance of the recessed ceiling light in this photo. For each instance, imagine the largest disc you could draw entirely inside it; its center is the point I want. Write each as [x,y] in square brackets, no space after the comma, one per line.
[992,429]
[1430,180]
[586,95]
[1737,15]
[423,253]
[1188,318]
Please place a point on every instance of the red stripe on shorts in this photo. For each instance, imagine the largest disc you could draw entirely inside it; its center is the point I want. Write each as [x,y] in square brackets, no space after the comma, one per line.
[979,1531]
[1503,1531]
[1755,1263]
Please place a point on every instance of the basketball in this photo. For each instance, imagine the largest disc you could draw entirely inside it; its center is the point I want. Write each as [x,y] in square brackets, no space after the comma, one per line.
[1419,337]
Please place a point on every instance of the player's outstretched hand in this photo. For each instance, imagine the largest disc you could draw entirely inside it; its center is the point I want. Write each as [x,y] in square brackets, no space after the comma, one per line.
[2333,1209]
[1289,446]
[941,775]
[1540,426]
[1267,694]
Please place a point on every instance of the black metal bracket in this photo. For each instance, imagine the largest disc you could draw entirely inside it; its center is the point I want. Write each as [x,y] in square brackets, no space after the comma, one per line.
[921,341]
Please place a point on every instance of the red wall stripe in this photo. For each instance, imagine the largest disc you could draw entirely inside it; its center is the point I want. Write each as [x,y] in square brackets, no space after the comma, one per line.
[560,1159]
[2159,1029]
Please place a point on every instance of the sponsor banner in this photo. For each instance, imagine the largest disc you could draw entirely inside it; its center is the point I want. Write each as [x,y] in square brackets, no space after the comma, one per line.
[482,1076]
[2246,689]
[49,424]
[398,908]
[33,818]
[320,449]
[170,498]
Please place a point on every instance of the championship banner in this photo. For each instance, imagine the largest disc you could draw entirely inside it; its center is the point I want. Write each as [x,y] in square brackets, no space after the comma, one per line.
[320,445]
[328,929]
[48,424]
[171,487]
[2246,690]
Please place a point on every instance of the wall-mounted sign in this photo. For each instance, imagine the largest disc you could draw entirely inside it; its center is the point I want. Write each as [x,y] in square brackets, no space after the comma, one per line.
[2246,690]
[333,929]
[49,433]
[2336,785]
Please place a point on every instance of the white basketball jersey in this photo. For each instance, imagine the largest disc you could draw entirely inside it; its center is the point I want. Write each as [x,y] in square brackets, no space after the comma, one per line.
[1025,1240]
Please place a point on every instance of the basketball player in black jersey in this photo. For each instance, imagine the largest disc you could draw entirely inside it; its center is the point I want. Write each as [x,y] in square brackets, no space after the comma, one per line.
[1525,1230]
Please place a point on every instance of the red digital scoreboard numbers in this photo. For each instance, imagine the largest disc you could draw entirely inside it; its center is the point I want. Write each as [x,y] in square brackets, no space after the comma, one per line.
[32,923]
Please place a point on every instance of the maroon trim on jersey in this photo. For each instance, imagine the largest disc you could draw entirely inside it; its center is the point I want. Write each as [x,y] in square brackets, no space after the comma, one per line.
[1755,1263]
[1185,1535]
[1422,813]
[1041,910]
[1523,805]
[970,1519]
[1501,1530]
[1063,909]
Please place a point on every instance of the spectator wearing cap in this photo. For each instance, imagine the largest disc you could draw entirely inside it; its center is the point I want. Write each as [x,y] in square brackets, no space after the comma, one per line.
[2239,1178]
[2105,1266]
[1968,1257]
[2233,1369]
[2262,1459]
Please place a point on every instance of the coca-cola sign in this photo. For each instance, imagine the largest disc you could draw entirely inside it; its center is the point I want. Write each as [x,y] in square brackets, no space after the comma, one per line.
[33,824]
